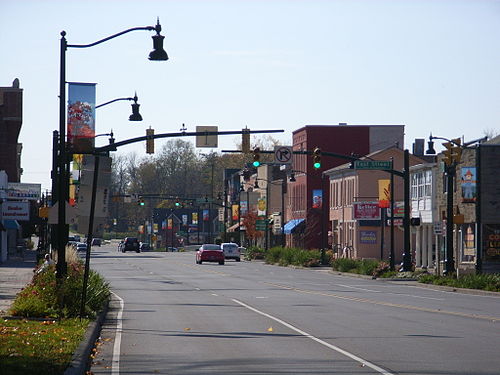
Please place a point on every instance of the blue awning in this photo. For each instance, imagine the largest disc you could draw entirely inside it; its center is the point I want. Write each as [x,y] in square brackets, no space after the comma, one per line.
[11,224]
[292,225]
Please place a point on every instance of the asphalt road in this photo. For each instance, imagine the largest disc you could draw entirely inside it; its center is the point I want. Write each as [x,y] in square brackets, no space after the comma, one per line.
[251,318]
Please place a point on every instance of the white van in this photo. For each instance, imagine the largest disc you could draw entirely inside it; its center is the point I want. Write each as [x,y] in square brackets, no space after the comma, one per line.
[231,251]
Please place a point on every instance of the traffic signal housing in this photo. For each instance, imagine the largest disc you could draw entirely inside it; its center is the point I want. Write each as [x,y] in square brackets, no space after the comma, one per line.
[150,141]
[141,202]
[316,155]
[456,150]
[448,159]
[453,151]
[256,157]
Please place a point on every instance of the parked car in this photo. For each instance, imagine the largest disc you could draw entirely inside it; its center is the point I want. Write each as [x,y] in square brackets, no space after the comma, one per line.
[81,246]
[145,246]
[209,253]
[130,244]
[231,251]
[96,242]
[73,240]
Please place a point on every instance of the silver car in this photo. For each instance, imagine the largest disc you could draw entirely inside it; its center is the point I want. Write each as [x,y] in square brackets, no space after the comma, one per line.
[231,251]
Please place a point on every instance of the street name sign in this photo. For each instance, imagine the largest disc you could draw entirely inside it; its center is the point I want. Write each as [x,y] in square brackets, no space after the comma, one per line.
[373,164]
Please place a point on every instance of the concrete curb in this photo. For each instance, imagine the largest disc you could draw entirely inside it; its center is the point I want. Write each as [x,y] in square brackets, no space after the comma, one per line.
[81,360]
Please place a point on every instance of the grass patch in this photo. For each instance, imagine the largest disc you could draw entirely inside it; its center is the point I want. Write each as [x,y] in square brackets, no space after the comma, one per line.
[39,347]
[46,345]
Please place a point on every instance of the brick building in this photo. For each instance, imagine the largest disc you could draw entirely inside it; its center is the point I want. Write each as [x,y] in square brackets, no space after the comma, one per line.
[11,118]
[342,139]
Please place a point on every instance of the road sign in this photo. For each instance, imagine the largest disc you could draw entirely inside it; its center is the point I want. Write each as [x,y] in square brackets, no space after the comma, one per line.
[373,164]
[204,140]
[283,154]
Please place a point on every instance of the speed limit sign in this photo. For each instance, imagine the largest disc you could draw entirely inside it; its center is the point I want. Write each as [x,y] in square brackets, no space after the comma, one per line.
[283,154]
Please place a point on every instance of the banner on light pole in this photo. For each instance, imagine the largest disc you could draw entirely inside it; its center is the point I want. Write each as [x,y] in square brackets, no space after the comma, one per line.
[81,116]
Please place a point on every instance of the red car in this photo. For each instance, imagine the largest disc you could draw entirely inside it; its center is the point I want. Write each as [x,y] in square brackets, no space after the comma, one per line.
[209,253]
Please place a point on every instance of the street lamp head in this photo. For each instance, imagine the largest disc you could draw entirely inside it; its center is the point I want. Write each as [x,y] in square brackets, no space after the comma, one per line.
[158,53]
[430,147]
[135,116]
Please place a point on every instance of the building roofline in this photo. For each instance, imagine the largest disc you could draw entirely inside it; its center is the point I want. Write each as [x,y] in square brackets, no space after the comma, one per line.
[346,125]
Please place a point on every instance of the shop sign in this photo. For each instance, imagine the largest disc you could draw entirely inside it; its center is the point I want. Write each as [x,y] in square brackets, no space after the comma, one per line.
[16,211]
[366,211]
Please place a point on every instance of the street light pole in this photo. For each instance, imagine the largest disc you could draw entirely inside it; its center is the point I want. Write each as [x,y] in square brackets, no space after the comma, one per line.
[158,54]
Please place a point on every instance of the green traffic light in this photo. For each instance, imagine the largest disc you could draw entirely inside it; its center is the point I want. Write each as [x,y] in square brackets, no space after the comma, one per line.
[256,163]
[317,165]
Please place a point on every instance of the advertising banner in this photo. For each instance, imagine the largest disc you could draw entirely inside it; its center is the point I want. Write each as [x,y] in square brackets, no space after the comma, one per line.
[194,218]
[317,198]
[261,206]
[491,243]
[468,182]
[366,211]
[19,190]
[234,212]
[16,211]
[384,193]
[81,116]
[468,242]
[184,219]
[243,209]
[368,237]
[206,215]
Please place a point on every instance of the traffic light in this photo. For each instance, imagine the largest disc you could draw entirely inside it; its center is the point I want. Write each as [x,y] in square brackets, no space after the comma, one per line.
[456,150]
[316,158]
[448,159]
[453,152]
[177,203]
[150,142]
[245,140]
[256,156]
[141,202]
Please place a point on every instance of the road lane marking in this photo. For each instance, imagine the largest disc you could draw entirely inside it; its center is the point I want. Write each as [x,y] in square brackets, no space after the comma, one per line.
[115,366]
[357,288]
[493,319]
[396,294]
[318,340]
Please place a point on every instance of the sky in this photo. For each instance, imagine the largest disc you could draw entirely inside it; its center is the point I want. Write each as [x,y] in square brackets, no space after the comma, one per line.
[431,65]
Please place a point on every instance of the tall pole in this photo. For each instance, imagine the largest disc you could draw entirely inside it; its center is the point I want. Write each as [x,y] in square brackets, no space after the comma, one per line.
[62,181]
[407,262]
[391,256]
[449,262]
[283,191]
[479,231]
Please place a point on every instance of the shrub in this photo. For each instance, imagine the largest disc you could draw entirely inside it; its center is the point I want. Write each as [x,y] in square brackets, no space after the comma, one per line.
[273,255]
[344,264]
[367,266]
[383,270]
[44,298]
[254,252]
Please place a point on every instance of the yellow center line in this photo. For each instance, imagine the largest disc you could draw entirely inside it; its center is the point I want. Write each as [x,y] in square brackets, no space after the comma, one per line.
[397,305]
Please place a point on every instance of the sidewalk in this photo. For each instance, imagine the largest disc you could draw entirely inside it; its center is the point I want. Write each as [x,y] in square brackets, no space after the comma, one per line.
[15,274]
